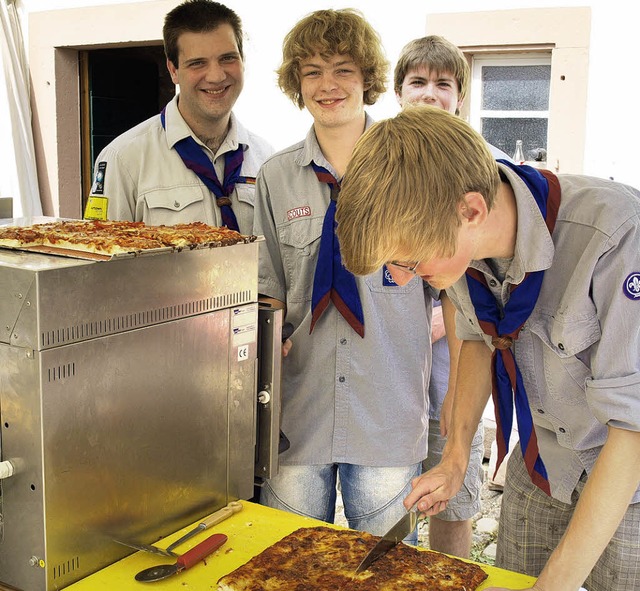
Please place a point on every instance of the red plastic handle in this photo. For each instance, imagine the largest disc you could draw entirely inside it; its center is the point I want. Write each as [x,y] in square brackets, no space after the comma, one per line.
[202,550]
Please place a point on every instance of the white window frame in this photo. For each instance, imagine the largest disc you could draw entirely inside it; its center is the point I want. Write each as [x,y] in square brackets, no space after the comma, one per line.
[476,112]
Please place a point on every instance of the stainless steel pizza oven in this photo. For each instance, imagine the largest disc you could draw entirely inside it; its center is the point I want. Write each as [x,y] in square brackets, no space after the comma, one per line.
[128,402]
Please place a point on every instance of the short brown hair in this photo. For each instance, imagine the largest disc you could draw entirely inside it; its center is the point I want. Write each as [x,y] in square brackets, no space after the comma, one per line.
[331,32]
[197,16]
[400,193]
[437,54]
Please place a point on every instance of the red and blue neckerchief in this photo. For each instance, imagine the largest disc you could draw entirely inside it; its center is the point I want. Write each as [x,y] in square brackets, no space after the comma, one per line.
[195,159]
[332,282]
[504,327]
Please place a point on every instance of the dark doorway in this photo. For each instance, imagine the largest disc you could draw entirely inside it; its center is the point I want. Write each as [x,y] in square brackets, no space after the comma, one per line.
[120,88]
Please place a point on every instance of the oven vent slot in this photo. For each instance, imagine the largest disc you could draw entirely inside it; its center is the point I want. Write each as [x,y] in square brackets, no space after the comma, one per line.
[61,372]
[66,568]
[99,328]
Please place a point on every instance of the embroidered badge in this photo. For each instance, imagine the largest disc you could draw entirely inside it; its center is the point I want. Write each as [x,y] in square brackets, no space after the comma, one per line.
[631,286]
[387,280]
[298,212]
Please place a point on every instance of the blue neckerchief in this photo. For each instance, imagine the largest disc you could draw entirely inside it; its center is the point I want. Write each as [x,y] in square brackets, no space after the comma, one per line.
[332,282]
[195,159]
[504,326]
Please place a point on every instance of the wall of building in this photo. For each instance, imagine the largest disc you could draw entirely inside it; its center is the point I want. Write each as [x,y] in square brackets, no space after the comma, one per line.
[57,29]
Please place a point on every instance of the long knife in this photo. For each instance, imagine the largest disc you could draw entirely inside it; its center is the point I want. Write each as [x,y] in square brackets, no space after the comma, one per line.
[405,525]
[213,519]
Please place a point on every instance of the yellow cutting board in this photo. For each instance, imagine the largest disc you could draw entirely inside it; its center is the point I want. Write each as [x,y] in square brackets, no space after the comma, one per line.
[250,531]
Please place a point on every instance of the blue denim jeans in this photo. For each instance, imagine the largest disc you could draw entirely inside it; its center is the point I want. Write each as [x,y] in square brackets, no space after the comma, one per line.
[372,496]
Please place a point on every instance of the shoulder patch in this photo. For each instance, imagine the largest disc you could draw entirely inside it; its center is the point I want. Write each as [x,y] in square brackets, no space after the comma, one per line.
[631,286]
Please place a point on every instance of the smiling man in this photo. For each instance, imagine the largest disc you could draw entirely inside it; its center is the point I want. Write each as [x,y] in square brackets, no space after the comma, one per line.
[354,382]
[544,271]
[194,161]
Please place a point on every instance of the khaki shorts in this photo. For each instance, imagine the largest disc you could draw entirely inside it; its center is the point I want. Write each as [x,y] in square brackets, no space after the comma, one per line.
[467,502]
[531,525]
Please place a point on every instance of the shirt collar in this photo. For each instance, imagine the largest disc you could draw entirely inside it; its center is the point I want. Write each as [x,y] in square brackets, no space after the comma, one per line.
[311,149]
[177,129]
[534,248]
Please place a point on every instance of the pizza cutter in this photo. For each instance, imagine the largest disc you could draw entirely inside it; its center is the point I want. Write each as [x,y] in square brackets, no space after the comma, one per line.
[187,560]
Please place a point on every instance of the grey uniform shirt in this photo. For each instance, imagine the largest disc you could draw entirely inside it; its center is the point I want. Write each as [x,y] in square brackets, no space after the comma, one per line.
[146,180]
[579,351]
[345,398]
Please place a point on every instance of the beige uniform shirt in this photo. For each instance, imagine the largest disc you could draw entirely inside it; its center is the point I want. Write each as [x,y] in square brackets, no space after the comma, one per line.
[144,178]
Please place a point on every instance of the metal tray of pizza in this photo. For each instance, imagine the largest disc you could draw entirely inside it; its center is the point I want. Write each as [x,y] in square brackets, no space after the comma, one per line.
[117,246]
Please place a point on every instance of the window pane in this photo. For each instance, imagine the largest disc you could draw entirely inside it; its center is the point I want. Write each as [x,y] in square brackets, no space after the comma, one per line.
[503,133]
[516,88]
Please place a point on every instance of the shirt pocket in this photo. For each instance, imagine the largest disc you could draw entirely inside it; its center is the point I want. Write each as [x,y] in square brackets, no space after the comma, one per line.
[381,282]
[566,352]
[173,207]
[246,193]
[299,243]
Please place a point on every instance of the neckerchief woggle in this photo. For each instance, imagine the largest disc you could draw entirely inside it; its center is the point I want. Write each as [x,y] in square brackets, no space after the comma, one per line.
[332,282]
[196,160]
[504,328]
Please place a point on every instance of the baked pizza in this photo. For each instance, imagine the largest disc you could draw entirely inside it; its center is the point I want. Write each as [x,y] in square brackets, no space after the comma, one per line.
[325,559]
[117,237]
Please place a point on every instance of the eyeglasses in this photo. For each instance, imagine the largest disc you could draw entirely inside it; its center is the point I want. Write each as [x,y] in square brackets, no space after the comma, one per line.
[409,267]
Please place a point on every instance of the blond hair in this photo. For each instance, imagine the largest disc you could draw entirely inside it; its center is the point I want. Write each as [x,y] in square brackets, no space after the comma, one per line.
[399,196]
[328,33]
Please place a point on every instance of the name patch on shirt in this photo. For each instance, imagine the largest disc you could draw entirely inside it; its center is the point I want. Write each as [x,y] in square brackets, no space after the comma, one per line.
[631,286]
[298,212]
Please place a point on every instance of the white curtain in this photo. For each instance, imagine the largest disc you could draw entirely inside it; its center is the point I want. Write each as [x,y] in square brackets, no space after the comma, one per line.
[18,177]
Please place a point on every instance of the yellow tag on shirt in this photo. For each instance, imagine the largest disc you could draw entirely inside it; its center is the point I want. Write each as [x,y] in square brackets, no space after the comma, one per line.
[96,208]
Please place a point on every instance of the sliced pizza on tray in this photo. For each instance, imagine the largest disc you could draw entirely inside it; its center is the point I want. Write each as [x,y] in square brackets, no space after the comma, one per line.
[117,237]
[325,559]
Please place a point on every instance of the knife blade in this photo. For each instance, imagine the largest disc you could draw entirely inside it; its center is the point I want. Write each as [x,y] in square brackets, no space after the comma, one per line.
[403,527]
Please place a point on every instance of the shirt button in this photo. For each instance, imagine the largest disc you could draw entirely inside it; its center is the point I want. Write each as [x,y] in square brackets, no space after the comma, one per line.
[541,411]
[341,379]
[562,430]
[561,346]
[343,341]
[176,204]
[493,283]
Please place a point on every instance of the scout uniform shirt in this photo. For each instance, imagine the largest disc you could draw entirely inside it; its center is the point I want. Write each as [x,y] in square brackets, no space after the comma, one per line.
[345,398]
[144,178]
[579,351]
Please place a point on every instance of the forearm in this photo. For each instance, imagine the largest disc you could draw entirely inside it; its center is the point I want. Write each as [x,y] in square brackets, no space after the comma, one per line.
[473,388]
[607,495]
[434,488]
[453,342]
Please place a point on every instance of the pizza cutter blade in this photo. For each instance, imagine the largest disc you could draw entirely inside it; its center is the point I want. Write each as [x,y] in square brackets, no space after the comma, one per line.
[187,560]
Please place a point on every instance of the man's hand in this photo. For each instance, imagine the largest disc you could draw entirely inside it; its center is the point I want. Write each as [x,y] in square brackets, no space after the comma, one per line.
[433,489]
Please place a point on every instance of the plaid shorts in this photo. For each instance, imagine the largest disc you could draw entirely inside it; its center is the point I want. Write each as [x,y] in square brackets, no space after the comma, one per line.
[531,525]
